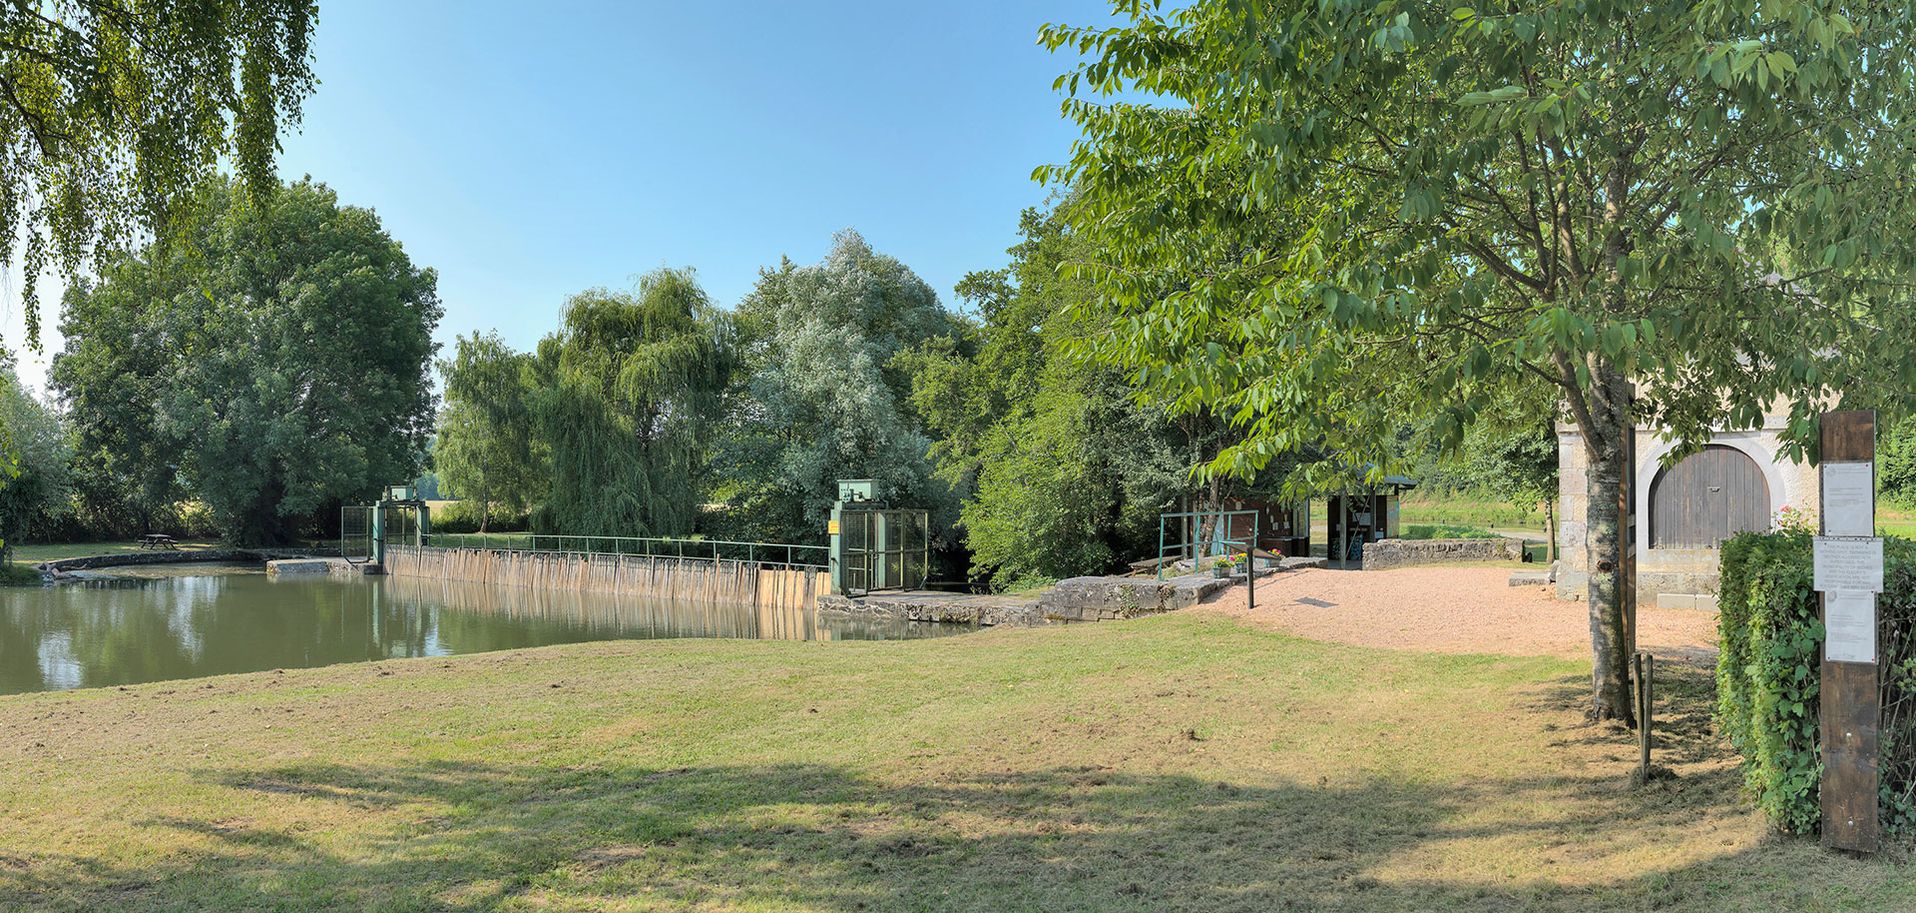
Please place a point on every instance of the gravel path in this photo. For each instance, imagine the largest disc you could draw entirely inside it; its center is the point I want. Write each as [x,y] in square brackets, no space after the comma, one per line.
[1452,610]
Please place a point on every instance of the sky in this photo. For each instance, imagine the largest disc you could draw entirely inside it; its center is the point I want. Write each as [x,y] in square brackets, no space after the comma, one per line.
[528,156]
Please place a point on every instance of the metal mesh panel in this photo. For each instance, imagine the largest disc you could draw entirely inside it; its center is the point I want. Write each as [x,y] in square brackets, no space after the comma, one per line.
[885,549]
[356,533]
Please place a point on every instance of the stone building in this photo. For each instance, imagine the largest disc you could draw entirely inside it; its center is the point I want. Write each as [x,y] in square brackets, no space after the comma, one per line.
[1739,482]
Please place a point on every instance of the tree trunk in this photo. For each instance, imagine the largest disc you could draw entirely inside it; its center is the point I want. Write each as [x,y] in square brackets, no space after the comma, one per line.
[1609,649]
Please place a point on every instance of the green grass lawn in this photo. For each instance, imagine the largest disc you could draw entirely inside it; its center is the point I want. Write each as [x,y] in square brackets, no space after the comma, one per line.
[34,554]
[1184,762]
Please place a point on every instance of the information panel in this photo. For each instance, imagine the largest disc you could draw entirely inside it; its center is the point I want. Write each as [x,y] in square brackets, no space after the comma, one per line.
[1853,565]
[1850,619]
[1849,499]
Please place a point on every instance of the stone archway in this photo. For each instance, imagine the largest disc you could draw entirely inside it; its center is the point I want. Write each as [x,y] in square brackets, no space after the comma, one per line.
[1706,498]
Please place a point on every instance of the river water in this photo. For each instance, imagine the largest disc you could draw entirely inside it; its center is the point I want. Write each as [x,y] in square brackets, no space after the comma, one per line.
[157,623]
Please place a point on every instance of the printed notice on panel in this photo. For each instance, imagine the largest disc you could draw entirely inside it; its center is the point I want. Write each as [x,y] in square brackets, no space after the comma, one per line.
[1849,499]
[1850,565]
[1850,620]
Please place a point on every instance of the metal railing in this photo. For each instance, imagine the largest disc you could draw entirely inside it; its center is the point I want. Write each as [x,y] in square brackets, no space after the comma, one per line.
[1211,533]
[810,556]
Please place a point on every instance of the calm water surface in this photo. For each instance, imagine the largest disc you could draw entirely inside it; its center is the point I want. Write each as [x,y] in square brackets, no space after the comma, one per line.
[156,623]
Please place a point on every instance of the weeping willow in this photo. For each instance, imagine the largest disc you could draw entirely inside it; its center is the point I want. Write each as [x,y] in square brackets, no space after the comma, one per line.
[628,389]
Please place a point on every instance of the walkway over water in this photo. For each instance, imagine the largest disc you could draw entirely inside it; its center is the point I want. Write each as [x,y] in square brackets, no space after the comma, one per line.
[762,553]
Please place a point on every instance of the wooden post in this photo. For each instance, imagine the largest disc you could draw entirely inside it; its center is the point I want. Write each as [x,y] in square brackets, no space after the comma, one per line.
[1627,530]
[1850,701]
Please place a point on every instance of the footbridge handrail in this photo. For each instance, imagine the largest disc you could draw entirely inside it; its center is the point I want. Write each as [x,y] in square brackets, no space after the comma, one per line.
[810,556]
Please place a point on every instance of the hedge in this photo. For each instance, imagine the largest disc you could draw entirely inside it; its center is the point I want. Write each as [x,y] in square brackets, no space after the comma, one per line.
[1768,676]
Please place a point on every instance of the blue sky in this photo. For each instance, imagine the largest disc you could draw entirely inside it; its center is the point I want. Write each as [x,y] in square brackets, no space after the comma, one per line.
[527,156]
[530,157]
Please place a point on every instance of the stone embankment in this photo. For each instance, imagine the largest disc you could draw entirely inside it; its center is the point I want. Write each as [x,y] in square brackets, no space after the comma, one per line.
[1385,554]
[1071,600]
[63,568]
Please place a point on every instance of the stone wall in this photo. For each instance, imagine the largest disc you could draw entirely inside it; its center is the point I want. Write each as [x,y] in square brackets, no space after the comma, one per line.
[1660,571]
[1385,554]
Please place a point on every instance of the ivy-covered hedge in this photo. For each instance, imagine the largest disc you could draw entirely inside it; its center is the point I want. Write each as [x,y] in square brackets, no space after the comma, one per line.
[1768,676]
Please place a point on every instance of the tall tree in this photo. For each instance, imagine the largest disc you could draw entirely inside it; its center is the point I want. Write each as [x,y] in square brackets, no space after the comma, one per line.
[280,355]
[628,391]
[112,113]
[487,449]
[1065,470]
[37,492]
[1371,208]
[822,396]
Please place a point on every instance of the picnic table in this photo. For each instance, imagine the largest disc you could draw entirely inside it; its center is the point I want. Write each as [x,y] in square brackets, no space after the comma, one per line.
[157,540]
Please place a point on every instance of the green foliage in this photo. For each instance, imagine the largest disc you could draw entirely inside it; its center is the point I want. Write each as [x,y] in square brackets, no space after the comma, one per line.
[1769,675]
[1066,470]
[114,113]
[487,448]
[1896,462]
[1333,220]
[271,366]
[1373,209]
[625,395]
[823,395]
[466,517]
[36,494]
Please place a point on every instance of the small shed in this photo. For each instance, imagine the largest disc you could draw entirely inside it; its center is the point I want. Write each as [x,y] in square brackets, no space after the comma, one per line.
[1356,519]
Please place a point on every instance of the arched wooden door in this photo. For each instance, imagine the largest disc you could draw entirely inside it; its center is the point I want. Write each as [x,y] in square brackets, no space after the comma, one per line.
[1707,498]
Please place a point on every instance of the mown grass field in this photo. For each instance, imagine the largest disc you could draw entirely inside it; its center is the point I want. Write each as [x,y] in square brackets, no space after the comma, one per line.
[1183,762]
[34,554]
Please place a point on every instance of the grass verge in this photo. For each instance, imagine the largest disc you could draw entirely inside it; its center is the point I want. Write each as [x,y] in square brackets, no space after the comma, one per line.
[1183,762]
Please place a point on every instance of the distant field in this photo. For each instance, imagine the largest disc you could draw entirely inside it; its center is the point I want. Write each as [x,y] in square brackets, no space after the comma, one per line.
[1467,511]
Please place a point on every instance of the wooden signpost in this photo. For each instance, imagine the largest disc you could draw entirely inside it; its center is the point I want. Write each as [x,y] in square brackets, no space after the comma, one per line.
[1849,574]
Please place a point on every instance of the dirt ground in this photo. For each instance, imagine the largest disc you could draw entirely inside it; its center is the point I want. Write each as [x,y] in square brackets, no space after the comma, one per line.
[1452,610]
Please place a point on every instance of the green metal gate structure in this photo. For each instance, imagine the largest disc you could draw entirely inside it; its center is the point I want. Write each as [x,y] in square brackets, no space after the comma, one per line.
[366,530]
[356,533]
[883,549]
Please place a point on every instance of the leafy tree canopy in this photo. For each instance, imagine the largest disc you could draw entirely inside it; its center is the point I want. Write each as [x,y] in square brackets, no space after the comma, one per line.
[626,394]
[273,366]
[1065,470]
[488,449]
[113,113]
[36,492]
[822,396]
[1370,210]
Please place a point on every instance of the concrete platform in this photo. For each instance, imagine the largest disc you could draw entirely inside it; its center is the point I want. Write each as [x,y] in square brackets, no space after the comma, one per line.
[313,567]
[1072,600]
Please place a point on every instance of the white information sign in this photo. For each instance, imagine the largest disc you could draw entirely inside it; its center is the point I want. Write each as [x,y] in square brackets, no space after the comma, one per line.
[1852,565]
[1850,620]
[1849,499]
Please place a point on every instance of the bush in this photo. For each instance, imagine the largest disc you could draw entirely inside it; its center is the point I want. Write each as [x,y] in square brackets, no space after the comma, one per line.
[463,517]
[1769,676]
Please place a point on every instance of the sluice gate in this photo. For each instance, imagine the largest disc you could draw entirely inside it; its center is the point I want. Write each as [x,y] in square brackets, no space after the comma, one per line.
[679,581]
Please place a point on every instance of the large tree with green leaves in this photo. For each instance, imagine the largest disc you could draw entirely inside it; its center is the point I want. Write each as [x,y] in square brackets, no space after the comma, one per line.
[112,113]
[488,449]
[1370,209]
[627,394]
[1065,468]
[36,492]
[274,363]
[822,396]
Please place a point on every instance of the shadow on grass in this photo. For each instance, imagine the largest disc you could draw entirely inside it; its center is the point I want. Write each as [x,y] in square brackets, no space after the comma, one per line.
[481,837]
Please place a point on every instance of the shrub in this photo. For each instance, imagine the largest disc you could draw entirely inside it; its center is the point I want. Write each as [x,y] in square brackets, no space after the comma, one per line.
[463,517]
[1769,676]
